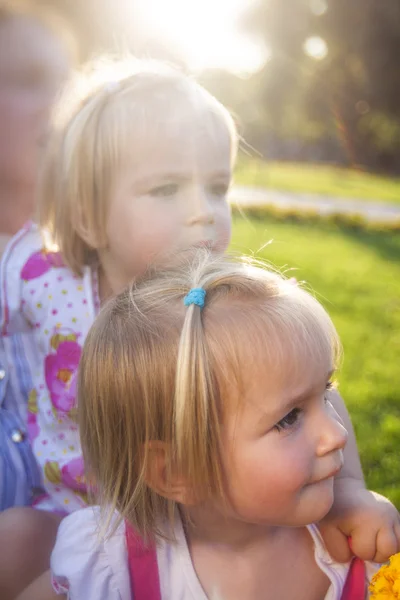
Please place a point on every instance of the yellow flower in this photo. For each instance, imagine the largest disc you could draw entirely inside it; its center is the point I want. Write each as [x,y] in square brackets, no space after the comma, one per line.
[385,584]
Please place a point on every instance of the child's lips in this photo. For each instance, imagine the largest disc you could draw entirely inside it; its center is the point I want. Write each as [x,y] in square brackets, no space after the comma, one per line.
[334,471]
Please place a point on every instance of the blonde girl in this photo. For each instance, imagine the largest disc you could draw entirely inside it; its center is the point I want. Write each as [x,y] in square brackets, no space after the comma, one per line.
[206,423]
[137,171]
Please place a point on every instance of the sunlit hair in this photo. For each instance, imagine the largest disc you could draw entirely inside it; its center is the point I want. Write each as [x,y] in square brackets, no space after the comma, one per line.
[106,113]
[44,14]
[154,370]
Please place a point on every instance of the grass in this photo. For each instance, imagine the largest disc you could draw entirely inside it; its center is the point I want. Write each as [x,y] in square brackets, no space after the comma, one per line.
[318,179]
[356,275]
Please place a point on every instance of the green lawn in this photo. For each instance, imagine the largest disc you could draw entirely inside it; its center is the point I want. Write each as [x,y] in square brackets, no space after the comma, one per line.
[319,179]
[357,277]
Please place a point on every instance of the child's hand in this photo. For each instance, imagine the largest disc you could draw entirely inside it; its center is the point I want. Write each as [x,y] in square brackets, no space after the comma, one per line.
[369,519]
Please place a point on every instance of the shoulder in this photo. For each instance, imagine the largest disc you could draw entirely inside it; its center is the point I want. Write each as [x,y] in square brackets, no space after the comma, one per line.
[88,564]
[22,260]
[25,242]
[28,255]
[36,283]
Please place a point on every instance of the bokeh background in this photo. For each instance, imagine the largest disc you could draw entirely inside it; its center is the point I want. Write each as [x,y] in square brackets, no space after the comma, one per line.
[315,88]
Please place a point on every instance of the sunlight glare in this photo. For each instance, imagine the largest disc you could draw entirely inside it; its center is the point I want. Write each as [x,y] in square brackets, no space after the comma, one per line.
[205,32]
[316,48]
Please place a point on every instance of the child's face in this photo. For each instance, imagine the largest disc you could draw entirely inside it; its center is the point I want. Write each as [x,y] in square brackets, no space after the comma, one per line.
[283,448]
[33,64]
[170,197]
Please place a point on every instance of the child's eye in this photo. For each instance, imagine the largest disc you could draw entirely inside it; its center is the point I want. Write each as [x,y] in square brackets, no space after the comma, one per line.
[289,420]
[165,191]
[219,189]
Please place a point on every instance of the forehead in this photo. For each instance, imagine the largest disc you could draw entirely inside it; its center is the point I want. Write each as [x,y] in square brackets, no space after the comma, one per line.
[286,370]
[191,136]
[271,384]
[280,359]
[254,352]
[27,44]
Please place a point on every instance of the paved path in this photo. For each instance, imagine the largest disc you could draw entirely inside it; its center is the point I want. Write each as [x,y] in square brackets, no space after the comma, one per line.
[372,211]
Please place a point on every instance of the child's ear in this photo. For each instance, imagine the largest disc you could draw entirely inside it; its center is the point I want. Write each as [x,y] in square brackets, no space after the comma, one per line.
[162,478]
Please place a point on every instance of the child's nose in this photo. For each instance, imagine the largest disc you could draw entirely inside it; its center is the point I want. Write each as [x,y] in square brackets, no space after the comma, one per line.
[201,208]
[333,434]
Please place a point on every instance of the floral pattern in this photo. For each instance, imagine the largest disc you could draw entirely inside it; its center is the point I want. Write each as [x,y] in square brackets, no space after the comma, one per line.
[73,475]
[60,372]
[39,263]
[59,307]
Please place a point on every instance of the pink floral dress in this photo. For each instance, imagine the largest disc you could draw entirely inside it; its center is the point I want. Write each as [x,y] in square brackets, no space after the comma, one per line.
[39,293]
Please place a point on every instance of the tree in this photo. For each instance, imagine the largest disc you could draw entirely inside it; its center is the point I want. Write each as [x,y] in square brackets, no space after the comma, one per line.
[356,89]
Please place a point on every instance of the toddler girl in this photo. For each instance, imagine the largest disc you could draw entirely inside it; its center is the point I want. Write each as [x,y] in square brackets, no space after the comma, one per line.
[206,425]
[139,171]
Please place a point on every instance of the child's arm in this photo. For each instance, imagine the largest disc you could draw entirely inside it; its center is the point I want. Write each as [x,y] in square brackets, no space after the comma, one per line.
[370,520]
[41,589]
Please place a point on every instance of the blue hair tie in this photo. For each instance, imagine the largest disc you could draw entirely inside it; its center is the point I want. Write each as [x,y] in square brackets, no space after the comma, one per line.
[195,296]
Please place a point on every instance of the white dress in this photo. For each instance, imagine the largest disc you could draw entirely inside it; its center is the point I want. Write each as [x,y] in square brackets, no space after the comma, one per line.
[88,567]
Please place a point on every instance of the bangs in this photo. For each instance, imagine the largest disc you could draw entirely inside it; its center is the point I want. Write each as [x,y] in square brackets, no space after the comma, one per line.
[285,334]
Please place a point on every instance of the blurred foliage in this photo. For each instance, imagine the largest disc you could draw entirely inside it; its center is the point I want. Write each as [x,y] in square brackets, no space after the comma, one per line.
[353,94]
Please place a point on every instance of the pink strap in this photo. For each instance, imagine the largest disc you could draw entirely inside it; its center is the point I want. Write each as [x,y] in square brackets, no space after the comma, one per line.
[145,582]
[354,587]
[143,567]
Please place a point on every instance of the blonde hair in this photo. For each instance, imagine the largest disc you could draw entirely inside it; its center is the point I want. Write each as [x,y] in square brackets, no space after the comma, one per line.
[155,370]
[95,126]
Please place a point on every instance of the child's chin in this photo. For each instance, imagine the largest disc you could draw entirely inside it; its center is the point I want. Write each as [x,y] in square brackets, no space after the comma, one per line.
[322,500]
